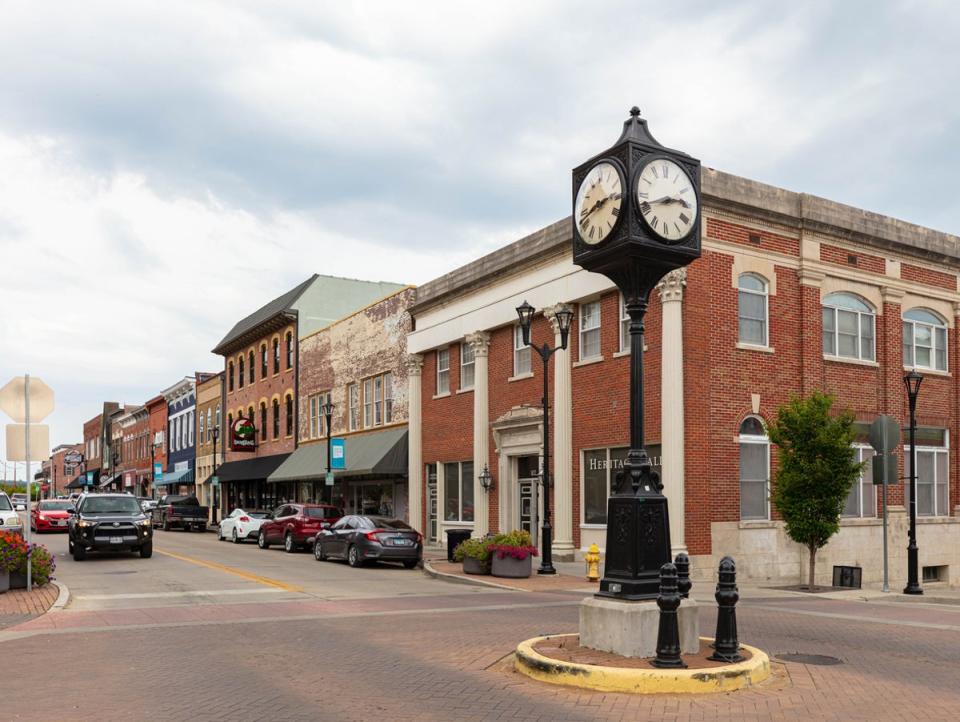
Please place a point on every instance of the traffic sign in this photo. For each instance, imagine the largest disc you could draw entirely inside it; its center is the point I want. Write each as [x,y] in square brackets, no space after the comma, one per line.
[17,442]
[329,478]
[12,399]
[885,434]
[885,469]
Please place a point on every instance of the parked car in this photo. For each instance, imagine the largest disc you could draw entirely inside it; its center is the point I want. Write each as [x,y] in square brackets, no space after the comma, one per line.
[179,512]
[19,501]
[147,504]
[9,518]
[109,522]
[242,524]
[360,539]
[50,515]
[295,525]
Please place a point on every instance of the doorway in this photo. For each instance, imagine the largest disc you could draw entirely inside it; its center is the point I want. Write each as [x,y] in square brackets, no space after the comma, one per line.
[528,478]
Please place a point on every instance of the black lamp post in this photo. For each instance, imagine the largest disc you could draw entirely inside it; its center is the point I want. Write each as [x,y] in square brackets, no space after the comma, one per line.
[327,410]
[912,381]
[564,316]
[214,486]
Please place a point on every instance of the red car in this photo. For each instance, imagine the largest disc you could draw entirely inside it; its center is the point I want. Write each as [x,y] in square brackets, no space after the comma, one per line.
[295,525]
[50,515]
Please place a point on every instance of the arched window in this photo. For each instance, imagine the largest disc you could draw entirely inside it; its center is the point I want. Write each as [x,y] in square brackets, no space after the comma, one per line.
[754,469]
[263,420]
[229,424]
[276,417]
[924,340]
[289,350]
[276,356]
[252,367]
[289,410]
[250,415]
[263,361]
[230,375]
[848,327]
[240,375]
[752,309]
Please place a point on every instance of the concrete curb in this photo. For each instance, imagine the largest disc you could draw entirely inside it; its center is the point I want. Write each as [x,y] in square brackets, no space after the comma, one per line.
[63,597]
[725,678]
[457,579]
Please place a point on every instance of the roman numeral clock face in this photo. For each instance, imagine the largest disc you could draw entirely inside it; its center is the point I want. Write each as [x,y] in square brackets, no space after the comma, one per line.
[666,199]
[598,203]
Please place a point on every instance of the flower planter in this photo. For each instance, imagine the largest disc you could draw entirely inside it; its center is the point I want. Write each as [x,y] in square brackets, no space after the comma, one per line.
[4,580]
[18,581]
[512,568]
[475,566]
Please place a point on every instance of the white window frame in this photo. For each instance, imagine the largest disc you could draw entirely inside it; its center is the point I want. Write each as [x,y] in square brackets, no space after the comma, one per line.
[462,485]
[765,295]
[860,315]
[910,348]
[583,330]
[443,371]
[936,451]
[388,397]
[378,400]
[863,452]
[202,429]
[624,326]
[353,404]
[755,440]
[368,403]
[314,402]
[521,354]
[466,352]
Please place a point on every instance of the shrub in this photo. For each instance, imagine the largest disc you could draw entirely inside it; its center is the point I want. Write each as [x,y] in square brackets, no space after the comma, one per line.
[478,549]
[42,567]
[13,551]
[517,544]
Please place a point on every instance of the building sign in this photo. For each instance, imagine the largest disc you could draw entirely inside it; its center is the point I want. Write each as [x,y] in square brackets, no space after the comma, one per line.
[89,479]
[338,453]
[72,458]
[128,479]
[243,435]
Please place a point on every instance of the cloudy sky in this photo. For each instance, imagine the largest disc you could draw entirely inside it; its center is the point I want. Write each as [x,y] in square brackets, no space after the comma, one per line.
[167,167]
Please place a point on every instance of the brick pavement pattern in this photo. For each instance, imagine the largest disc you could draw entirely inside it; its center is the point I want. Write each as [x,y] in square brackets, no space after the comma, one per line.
[19,605]
[402,660]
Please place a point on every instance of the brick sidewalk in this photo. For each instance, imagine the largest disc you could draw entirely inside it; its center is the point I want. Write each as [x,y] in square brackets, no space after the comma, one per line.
[533,583]
[19,605]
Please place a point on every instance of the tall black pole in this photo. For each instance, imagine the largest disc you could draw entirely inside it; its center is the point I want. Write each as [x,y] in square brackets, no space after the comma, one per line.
[329,415]
[913,581]
[546,533]
[213,487]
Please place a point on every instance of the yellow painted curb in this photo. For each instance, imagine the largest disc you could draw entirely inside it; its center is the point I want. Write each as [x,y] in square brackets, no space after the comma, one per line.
[725,678]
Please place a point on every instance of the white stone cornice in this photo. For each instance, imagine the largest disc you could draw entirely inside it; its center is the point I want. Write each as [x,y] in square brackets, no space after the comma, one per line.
[550,313]
[479,341]
[671,285]
[810,277]
[414,364]
[891,295]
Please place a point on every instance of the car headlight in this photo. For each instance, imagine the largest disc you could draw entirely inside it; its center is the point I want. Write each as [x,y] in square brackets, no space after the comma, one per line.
[83,523]
[143,522]
[13,521]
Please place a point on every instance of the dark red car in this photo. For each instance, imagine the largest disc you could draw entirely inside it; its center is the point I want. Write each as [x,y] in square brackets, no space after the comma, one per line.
[50,515]
[295,525]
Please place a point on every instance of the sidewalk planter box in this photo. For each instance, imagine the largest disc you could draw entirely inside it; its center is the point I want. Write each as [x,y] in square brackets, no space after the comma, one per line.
[18,581]
[4,581]
[512,568]
[475,566]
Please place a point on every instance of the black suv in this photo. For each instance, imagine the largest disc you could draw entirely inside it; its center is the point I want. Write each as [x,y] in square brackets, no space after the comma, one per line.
[109,522]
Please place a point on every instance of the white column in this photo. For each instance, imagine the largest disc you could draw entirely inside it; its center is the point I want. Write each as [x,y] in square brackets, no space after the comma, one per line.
[562,466]
[414,363]
[671,403]
[480,343]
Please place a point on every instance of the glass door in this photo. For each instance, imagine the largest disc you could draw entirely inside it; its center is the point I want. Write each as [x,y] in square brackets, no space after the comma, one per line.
[528,469]
[432,502]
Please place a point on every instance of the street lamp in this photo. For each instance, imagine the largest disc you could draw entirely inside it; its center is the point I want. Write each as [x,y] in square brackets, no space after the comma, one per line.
[486,480]
[563,316]
[214,484]
[327,410]
[912,381]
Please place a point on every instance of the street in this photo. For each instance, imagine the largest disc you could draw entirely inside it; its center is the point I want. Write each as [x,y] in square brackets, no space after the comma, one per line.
[212,630]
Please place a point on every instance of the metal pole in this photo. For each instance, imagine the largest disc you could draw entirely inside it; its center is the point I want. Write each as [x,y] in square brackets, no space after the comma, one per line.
[329,418]
[26,419]
[913,582]
[886,569]
[546,564]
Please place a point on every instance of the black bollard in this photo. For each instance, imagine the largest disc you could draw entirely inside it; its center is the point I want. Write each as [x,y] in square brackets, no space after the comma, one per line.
[726,646]
[682,563]
[668,634]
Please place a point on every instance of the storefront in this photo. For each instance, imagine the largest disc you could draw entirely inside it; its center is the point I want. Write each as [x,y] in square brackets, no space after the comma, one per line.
[243,484]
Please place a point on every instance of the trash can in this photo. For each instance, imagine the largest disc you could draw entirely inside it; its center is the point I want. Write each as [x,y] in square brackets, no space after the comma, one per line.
[455,537]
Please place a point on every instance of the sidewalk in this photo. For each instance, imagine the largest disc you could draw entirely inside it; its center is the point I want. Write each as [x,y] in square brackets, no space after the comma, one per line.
[19,605]
[563,580]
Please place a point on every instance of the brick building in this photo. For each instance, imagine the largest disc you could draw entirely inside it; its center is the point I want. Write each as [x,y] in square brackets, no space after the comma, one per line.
[96,448]
[60,474]
[260,374]
[792,293]
[157,409]
[358,364]
[179,475]
[132,432]
[209,413]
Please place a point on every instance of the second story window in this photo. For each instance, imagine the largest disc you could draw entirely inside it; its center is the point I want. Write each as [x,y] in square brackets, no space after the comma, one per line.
[353,401]
[624,326]
[589,330]
[230,376]
[276,419]
[203,429]
[252,367]
[276,355]
[368,403]
[378,400]
[467,365]
[263,420]
[289,350]
[240,369]
[848,327]
[521,353]
[752,310]
[387,397]
[263,361]
[443,371]
[924,340]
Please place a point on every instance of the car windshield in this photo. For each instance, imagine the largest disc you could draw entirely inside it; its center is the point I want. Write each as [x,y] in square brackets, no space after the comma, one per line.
[258,514]
[55,506]
[382,522]
[110,505]
[5,503]
[321,512]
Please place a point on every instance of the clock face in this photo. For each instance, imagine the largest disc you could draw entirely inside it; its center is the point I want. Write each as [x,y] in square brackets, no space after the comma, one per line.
[666,199]
[598,203]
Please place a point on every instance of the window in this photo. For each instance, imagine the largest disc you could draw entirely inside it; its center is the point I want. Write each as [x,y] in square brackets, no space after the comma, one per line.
[443,371]
[276,355]
[289,350]
[521,353]
[353,400]
[600,467]
[263,420]
[252,367]
[289,411]
[848,327]
[458,486]
[209,425]
[862,499]
[190,422]
[466,366]
[218,417]
[202,430]
[276,418]
[387,397]
[754,469]
[241,374]
[263,360]
[624,325]
[752,310]
[924,340]
[230,375]
[368,403]
[933,471]
[378,400]
[589,330]
[314,416]
[229,425]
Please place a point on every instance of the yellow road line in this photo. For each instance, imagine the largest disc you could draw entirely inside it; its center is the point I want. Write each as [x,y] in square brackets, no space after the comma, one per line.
[233,570]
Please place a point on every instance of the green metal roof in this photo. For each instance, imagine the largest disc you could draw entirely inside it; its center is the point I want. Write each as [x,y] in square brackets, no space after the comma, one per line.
[376,453]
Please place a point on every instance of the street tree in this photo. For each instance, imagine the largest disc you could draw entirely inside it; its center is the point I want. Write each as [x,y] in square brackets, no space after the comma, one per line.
[815,471]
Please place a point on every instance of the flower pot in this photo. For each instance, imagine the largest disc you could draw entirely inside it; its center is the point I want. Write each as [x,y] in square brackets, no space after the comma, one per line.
[18,581]
[475,566]
[512,568]
[4,580]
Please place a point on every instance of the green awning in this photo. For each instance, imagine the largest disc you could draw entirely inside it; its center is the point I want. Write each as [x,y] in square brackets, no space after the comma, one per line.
[380,453]
[183,476]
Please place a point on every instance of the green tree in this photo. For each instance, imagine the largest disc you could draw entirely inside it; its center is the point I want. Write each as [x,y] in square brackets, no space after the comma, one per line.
[816,469]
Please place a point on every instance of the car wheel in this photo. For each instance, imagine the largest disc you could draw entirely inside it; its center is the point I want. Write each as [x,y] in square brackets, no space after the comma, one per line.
[318,553]
[288,544]
[410,563]
[353,556]
[79,553]
[235,536]
[146,550]
[262,541]
[220,536]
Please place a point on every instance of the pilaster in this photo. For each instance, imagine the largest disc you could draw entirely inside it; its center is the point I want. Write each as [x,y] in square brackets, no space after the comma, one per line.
[414,364]
[480,343]
[562,443]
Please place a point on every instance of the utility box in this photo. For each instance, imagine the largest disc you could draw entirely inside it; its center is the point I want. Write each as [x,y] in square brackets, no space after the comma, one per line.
[850,577]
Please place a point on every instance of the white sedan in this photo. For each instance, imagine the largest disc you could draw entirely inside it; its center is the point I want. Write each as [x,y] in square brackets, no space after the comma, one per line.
[241,525]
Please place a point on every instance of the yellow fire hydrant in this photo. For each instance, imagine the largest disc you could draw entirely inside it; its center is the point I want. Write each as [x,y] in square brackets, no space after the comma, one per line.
[592,558]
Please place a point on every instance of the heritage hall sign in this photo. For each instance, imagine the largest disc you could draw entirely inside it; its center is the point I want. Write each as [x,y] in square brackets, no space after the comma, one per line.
[636,217]
[243,435]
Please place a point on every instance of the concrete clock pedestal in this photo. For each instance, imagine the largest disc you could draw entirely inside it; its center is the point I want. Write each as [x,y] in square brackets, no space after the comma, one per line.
[630,628]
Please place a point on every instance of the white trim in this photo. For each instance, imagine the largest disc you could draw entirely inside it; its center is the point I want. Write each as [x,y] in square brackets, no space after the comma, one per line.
[756,440]
[751,347]
[765,295]
[854,361]
[521,377]
[588,361]
[581,330]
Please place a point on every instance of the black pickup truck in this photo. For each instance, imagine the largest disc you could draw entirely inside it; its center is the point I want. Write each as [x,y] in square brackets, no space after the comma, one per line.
[180,512]
[109,522]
